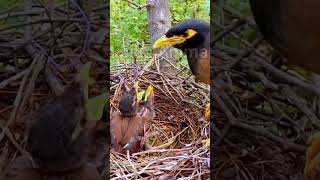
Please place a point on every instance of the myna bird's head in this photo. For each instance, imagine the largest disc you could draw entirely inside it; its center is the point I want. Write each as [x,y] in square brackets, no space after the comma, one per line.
[187,34]
[128,103]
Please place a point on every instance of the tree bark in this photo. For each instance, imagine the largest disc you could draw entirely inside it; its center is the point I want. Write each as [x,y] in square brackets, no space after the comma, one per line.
[159,21]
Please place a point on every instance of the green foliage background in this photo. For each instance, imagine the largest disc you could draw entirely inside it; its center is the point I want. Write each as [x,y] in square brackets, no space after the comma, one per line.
[129,39]
[242,7]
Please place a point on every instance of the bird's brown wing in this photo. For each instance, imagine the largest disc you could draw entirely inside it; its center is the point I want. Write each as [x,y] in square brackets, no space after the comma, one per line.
[203,67]
[135,135]
[126,132]
[115,130]
[290,27]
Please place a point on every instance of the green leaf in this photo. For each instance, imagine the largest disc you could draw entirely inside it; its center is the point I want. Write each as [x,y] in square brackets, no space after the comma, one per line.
[95,107]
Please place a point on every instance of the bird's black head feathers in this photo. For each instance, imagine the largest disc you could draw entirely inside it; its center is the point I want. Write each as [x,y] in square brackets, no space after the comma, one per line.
[198,25]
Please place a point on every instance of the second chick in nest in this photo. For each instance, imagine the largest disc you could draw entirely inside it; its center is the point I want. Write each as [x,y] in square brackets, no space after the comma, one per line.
[58,142]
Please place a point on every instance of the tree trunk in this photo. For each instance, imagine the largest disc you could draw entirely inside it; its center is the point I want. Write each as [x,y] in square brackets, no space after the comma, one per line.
[159,21]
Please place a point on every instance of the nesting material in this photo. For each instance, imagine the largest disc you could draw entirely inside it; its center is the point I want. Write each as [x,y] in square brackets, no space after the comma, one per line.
[176,132]
[264,111]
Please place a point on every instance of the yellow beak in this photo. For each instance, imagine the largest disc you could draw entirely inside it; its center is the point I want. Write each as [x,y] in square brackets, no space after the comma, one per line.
[140,96]
[174,40]
[165,41]
[149,92]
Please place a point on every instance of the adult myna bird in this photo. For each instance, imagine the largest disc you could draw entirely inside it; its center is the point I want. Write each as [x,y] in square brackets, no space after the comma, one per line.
[127,126]
[292,27]
[193,38]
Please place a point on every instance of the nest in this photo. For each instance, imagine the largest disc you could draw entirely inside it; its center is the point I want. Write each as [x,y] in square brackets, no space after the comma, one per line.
[40,53]
[264,111]
[177,130]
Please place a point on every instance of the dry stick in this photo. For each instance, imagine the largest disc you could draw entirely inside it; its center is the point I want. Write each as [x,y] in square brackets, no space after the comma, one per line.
[86,40]
[52,80]
[245,42]
[286,144]
[138,6]
[166,87]
[286,77]
[131,164]
[235,13]
[40,60]
[22,13]
[5,130]
[165,145]
[301,104]
[246,53]
[13,140]
[8,9]
[45,20]
[260,131]
[160,151]
[117,164]
[17,100]
[36,66]
[13,78]
[232,27]
[277,73]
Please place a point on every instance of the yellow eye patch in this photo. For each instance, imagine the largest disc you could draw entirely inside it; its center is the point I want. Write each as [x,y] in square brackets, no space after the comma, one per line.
[191,33]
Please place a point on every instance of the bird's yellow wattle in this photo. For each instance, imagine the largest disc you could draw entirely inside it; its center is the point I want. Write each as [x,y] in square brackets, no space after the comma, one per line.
[191,33]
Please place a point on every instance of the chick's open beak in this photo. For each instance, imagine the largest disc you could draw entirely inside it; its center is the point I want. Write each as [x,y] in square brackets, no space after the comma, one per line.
[140,96]
[149,92]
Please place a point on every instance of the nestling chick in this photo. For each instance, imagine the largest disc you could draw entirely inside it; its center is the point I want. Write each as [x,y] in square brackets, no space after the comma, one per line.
[127,126]
[59,138]
[56,140]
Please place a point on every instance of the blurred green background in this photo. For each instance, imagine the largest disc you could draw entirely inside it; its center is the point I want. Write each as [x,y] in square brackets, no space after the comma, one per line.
[226,19]
[129,39]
